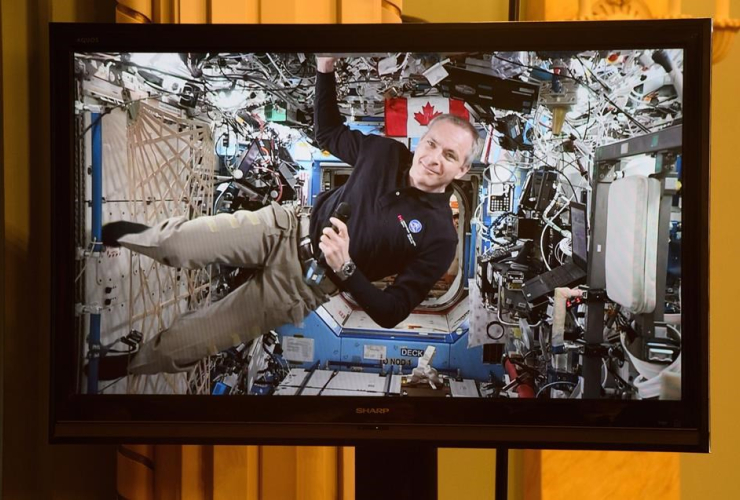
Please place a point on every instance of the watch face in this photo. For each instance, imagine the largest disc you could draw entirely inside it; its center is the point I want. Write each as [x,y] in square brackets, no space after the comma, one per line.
[347,269]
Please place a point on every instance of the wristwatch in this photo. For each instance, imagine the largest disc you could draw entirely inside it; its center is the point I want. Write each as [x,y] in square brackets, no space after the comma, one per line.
[347,269]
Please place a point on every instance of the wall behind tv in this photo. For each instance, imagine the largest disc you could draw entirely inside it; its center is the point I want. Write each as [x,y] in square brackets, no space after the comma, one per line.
[715,475]
[31,469]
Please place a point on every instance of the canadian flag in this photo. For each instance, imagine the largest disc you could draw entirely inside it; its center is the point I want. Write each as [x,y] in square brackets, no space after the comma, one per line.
[409,117]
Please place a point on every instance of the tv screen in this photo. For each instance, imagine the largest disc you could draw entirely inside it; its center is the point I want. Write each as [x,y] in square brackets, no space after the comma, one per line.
[468,234]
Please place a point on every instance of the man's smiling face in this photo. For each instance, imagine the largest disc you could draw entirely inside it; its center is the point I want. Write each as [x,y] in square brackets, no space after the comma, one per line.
[440,157]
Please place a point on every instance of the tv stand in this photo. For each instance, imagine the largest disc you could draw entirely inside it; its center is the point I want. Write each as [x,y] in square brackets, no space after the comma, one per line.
[409,470]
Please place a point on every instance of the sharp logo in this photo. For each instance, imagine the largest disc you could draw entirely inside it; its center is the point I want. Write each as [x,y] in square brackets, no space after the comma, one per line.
[372,411]
[90,39]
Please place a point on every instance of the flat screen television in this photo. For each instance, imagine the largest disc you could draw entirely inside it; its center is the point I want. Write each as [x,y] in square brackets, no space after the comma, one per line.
[563,319]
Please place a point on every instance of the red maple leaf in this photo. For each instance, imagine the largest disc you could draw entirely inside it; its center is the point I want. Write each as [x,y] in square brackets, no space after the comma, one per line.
[426,115]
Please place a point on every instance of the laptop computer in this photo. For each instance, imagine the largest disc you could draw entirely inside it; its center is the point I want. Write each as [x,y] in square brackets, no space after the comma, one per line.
[570,273]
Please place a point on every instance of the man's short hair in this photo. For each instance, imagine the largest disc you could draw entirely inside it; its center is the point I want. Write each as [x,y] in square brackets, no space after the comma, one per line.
[476,148]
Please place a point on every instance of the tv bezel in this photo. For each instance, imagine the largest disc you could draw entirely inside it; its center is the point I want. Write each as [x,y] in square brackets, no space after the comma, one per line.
[566,424]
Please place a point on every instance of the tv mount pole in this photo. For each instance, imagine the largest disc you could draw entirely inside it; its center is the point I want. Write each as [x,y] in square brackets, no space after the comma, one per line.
[409,470]
[502,473]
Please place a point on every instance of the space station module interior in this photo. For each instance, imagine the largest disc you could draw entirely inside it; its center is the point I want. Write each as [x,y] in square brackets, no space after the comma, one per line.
[567,279]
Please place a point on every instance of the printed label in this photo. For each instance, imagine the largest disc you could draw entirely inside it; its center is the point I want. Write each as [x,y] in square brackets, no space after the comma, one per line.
[298,349]
[374,351]
[413,353]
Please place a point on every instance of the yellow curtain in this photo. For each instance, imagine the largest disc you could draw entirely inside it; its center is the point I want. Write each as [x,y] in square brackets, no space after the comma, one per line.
[200,472]
[259,11]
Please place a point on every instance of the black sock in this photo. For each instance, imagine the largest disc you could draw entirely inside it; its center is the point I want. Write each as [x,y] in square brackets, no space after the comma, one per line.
[115,230]
[112,366]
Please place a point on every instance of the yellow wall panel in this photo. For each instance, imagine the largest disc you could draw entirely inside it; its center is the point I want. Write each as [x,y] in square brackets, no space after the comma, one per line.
[193,11]
[125,16]
[466,473]
[63,11]
[144,7]
[560,9]
[159,11]
[278,473]
[16,124]
[136,471]
[532,10]
[528,475]
[168,467]
[231,473]
[359,11]
[316,11]
[441,11]
[243,11]
[715,475]
[570,9]
[164,11]
[316,472]
[253,473]
[389,13]
[235,11]
[197,472]
[33,469]
[298,11]
[19,455]
[595,475]
[68,11]
[393,6]
[347,471]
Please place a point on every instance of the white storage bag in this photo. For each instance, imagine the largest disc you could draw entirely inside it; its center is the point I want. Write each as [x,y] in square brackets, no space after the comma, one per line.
[632,242]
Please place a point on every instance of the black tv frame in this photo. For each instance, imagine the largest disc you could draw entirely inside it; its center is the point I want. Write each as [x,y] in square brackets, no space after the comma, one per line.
[559,424]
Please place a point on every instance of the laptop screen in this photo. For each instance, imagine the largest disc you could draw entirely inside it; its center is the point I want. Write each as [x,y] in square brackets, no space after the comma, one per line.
[580,234]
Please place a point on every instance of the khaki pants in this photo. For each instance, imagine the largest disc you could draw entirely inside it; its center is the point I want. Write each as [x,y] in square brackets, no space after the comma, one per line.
[266,240]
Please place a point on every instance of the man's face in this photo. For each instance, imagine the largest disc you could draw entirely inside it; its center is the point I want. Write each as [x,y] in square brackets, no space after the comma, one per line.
[440,157]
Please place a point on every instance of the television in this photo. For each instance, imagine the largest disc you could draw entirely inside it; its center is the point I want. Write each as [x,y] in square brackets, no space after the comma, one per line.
[560,322]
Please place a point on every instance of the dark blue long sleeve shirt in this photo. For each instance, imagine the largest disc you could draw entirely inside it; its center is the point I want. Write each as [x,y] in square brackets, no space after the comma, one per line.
[394,228]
